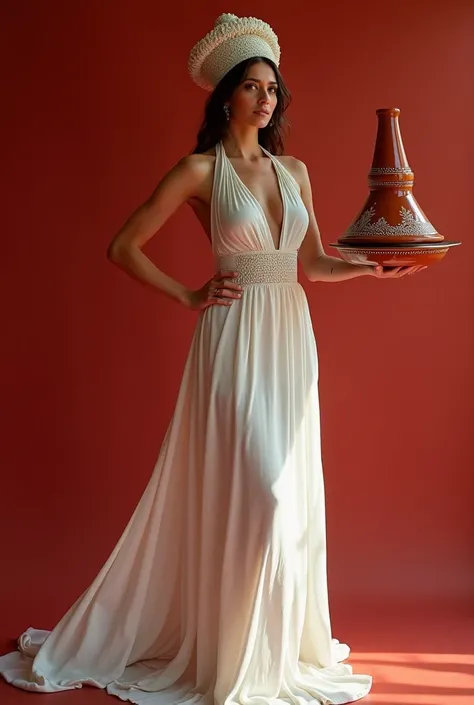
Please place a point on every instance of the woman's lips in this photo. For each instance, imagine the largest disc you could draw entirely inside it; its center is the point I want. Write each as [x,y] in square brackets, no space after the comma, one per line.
[262,112]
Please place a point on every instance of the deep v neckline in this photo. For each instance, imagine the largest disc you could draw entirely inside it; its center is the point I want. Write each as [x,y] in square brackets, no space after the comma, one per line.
[277,246]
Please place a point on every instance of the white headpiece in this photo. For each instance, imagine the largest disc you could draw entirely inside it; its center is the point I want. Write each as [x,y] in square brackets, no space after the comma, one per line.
[232,40]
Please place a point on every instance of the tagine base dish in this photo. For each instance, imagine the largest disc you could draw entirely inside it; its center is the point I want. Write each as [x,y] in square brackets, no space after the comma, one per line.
[395,255]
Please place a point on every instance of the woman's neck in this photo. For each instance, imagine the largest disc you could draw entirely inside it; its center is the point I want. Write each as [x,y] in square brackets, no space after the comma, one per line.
[242,143]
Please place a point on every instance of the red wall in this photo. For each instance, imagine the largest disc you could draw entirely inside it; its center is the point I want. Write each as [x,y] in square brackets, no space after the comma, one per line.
[97,107]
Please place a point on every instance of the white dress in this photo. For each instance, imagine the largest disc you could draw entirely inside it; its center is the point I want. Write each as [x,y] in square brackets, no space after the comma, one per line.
[216,591]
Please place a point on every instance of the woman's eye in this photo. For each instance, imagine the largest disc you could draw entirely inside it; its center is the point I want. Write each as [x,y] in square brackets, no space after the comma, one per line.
[272,89]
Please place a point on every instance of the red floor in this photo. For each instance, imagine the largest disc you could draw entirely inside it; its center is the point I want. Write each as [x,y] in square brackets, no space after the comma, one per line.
[418,655]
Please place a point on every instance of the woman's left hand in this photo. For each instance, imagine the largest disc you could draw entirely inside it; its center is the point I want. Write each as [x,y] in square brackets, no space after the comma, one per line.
[394,272]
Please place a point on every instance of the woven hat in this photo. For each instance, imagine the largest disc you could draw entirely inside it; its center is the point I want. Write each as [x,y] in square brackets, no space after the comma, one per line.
[232,40]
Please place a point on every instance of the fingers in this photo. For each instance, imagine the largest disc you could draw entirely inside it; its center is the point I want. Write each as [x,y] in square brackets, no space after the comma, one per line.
[224,280]
[228,293]
[413,269]
[223,295]
[214,298]
[222,290]
[398,272]
[225,274]
[226,284]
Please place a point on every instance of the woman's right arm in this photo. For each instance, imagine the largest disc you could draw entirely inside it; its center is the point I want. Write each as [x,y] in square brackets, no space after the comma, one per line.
[181,183]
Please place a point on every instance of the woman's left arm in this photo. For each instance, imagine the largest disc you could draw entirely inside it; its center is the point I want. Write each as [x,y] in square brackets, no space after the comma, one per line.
[317,265]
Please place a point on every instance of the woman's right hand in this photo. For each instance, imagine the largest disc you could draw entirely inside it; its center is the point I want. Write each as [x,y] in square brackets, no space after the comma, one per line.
[220,291]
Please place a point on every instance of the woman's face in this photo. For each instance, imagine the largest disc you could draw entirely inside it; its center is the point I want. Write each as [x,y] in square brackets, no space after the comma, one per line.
[255,98]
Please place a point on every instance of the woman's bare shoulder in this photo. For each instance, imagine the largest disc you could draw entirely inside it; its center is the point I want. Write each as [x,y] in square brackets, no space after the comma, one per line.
[197,163]
[296,167]
[292,162]
[197,171]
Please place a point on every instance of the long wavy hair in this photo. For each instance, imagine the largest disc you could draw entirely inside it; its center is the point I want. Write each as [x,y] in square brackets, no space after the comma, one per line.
[214,126]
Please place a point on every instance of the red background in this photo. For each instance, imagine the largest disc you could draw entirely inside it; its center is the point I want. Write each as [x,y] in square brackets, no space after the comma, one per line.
[97,106]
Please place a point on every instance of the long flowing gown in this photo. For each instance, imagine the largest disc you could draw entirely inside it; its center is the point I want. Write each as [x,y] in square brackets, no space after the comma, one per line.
[216,592]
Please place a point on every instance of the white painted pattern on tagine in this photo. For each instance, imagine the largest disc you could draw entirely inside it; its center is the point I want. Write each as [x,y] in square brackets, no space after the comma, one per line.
[392,184]
[408,226]
[401,251]
[390,170]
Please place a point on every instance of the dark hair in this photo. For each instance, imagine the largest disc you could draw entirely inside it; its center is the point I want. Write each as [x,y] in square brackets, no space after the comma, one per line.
[214,125]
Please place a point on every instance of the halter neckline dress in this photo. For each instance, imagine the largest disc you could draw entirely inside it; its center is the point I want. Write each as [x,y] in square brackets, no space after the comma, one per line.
[216,592]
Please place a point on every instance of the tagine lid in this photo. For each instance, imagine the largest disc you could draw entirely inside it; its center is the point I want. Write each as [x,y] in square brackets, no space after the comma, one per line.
[391,213]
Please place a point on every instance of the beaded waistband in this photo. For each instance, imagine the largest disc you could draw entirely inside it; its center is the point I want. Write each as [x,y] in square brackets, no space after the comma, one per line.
[261,267]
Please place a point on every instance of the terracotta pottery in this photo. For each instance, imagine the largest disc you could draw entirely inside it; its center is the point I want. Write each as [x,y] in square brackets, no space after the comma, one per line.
[391,229]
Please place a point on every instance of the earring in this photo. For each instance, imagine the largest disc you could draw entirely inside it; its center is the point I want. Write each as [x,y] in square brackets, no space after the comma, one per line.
[227,111]
[271,123]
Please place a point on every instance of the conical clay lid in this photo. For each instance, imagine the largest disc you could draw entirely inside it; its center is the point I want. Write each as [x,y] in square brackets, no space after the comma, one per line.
[390,214]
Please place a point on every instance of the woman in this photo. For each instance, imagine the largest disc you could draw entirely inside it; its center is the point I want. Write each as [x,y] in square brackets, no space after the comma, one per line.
[216,591]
